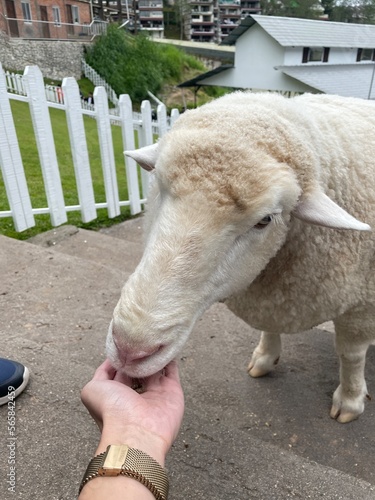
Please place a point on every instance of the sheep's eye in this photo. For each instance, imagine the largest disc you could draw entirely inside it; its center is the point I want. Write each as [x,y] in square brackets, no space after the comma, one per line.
[264,222]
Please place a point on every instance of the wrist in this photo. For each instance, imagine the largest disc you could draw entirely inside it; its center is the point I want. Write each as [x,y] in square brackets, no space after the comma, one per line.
[134,437]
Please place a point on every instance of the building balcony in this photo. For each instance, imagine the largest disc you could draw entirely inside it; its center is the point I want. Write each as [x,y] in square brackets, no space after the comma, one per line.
[202,32]
[150,4]
[232,8]
[54,30]
[147,9]
[201,2]
[149,18]
[224,24]
[250,7]
[201,23]
[230,15]
[152,27]
[207,12]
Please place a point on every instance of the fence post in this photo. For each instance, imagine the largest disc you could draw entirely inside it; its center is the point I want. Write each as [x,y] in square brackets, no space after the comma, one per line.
[162,119]
[80,153]
[45,143]
[146,139]
[106,152]
[174,115]
[126,115]
[11,164]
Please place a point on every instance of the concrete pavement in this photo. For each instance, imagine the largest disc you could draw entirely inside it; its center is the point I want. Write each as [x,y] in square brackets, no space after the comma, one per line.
[264,439]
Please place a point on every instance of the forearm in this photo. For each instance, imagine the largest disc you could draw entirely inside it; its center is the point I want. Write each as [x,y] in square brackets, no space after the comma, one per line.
[122,487]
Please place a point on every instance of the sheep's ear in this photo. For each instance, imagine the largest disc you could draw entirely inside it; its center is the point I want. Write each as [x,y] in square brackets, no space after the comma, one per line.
[316,208]
[145,157]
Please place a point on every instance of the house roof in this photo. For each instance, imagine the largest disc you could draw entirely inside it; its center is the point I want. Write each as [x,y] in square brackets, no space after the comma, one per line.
[293,32]
[195,82]
[348,80]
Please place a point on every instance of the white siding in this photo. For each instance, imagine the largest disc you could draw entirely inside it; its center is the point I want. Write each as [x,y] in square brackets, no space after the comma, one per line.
[257,55]
[293,55]
[342,56]
[337,55]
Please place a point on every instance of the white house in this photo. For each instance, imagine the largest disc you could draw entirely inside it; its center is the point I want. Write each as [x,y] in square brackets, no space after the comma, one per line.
[298,55]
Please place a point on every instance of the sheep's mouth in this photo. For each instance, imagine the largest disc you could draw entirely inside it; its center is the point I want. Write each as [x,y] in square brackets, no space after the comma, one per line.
[147,365]
[137,364]
[138,385]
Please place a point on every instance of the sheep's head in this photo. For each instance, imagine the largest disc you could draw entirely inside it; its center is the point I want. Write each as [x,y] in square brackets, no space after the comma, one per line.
[216,216]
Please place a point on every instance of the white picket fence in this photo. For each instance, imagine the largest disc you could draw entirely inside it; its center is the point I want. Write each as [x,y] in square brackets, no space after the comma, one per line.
[98,81]
[13,170]
[15,85]
[54,94]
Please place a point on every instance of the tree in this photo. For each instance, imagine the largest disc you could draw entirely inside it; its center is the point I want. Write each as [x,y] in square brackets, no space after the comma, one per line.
[346,11]
[305,9]
[135,64]
[349,11]
[130,64]
[328,6]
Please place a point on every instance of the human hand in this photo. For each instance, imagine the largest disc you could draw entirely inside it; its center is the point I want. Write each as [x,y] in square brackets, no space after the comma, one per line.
[149,421]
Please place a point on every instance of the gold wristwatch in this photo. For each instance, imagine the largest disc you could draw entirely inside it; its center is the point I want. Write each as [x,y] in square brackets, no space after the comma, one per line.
[119,459]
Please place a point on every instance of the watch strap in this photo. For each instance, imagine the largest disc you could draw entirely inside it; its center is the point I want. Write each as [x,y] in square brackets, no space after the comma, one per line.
[93,469]
[147,471]
[137,465]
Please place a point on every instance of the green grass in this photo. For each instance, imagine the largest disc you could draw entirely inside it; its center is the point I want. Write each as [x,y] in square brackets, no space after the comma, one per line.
[86,86]
[29,153]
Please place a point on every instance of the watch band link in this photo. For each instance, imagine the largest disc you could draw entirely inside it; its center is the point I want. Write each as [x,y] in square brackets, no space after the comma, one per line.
[137,465]
[148,471]
[93,469]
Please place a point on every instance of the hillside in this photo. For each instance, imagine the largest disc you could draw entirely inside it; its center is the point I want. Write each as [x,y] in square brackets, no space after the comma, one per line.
[135,65]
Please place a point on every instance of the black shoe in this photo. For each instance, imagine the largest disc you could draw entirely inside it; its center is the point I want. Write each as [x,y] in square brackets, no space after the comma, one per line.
[13,379]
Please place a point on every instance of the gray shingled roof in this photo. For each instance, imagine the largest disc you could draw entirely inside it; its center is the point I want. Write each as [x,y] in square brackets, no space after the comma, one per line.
[293,32]
[195,82]
[347,80]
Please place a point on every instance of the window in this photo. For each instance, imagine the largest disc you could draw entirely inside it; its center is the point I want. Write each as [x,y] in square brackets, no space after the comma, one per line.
[26,12]
[75,14]
[365,55]
[315,54]
[56,16]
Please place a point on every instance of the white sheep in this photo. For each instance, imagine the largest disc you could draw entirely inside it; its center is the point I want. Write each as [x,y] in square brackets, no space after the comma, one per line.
[245,207]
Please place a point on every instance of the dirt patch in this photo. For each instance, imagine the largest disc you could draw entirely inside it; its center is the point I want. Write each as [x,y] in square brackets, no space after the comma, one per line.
[174,97]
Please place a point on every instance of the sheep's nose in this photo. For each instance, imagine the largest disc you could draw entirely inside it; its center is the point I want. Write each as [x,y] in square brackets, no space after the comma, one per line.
[130,355]
[139,355]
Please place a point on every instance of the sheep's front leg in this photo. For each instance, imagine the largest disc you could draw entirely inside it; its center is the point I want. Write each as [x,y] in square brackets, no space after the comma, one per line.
[266,355]
[349,398]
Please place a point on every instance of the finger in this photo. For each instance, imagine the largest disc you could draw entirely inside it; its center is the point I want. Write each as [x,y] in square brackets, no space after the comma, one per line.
[123,378]
[172,372]
[105,371]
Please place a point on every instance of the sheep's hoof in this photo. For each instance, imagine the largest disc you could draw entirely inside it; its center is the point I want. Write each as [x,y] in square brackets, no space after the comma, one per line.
[343,417]
[345,409]
[261,365]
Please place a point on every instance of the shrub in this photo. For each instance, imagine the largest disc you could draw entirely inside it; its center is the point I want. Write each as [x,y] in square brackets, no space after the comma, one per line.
[134,64]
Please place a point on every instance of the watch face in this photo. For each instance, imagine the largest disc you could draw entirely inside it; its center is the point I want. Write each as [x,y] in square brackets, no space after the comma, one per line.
[114,460]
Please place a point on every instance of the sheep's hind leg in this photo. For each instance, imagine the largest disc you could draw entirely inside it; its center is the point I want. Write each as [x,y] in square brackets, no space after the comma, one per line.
[351,346]
[266,355]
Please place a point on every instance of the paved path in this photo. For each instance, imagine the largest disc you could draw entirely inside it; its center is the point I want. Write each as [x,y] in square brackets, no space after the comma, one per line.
[265,439]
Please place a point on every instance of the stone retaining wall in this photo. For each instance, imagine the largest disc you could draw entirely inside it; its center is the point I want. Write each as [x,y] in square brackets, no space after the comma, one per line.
[55,58]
